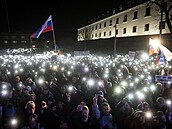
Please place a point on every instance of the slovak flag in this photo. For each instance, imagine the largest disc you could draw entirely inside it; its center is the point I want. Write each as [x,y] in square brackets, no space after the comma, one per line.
[163,54]
[47,26]
[153,47]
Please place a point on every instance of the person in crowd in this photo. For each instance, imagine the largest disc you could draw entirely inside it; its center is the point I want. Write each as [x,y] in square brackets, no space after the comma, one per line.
[168,115]
[32,84]
[76,114]
[46,95]
[33,123]
[123,112]
[46,116]
[138,121]
[160,105]
[104,117]
[159,121]
[10,112]
[159,91]
[29,109]
[18,86]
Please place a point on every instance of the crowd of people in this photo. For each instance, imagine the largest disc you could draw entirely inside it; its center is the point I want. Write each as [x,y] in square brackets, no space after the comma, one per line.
[88,92]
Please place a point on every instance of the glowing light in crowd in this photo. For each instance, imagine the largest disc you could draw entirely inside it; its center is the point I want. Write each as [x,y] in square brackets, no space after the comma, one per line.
[118,90]
[84,78]
[148,114]
[152,88]
[40,80]
[130,96]
[145,89]
[4,92]
[14,122]
[145,56]
[86,69]
[140,95]
[69,72]
[91,82]
[168,102]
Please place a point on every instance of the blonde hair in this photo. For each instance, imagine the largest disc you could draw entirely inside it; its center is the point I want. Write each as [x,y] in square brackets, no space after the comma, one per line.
[30,104]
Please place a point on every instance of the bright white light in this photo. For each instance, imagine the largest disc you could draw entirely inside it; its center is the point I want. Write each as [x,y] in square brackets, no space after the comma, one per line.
[136,80]
[145,89]
[86,69]
[124,83]
[40,80]
[84,78]
[168,102]
[13,121]
[4,86]
[118,90]
[54,67]
[148,114]
[4,92]
[100,83]
[152,87]
[155,43]
[140,95]
[91,82]
[68,72]
[106,75]
[130,96]
[21,69]
[131,84]
[144,56]
[149,78]
[70,88]
[62,68]
[142,76]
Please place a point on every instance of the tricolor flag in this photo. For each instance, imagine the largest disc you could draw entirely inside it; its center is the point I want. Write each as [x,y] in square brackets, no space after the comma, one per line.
[163,53]
[153,47]
[47,26]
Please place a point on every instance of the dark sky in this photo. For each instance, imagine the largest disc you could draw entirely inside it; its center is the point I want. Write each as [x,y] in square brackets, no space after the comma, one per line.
[28,15]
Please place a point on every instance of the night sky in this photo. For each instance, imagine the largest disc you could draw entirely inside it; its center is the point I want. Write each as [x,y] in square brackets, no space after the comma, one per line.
[28,15]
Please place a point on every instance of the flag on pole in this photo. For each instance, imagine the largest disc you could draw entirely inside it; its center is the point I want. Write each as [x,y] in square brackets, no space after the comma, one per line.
[153,47]
[47,26]
[163,54]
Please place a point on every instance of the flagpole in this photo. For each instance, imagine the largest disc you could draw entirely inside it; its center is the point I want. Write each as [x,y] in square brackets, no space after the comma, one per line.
[54,35]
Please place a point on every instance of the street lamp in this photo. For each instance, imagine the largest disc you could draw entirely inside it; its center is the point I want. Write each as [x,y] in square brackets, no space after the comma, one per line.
[114,44]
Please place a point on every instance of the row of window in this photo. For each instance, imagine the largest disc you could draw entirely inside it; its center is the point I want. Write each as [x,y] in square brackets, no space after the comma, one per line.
[134,30]
[125,19]
[14,41]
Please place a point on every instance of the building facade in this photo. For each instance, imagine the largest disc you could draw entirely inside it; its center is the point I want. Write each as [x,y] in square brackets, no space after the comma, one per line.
[15,40]
[138,21]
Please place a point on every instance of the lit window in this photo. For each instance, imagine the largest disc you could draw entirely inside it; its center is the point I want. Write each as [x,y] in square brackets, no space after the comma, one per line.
[14,41]
[5,41]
